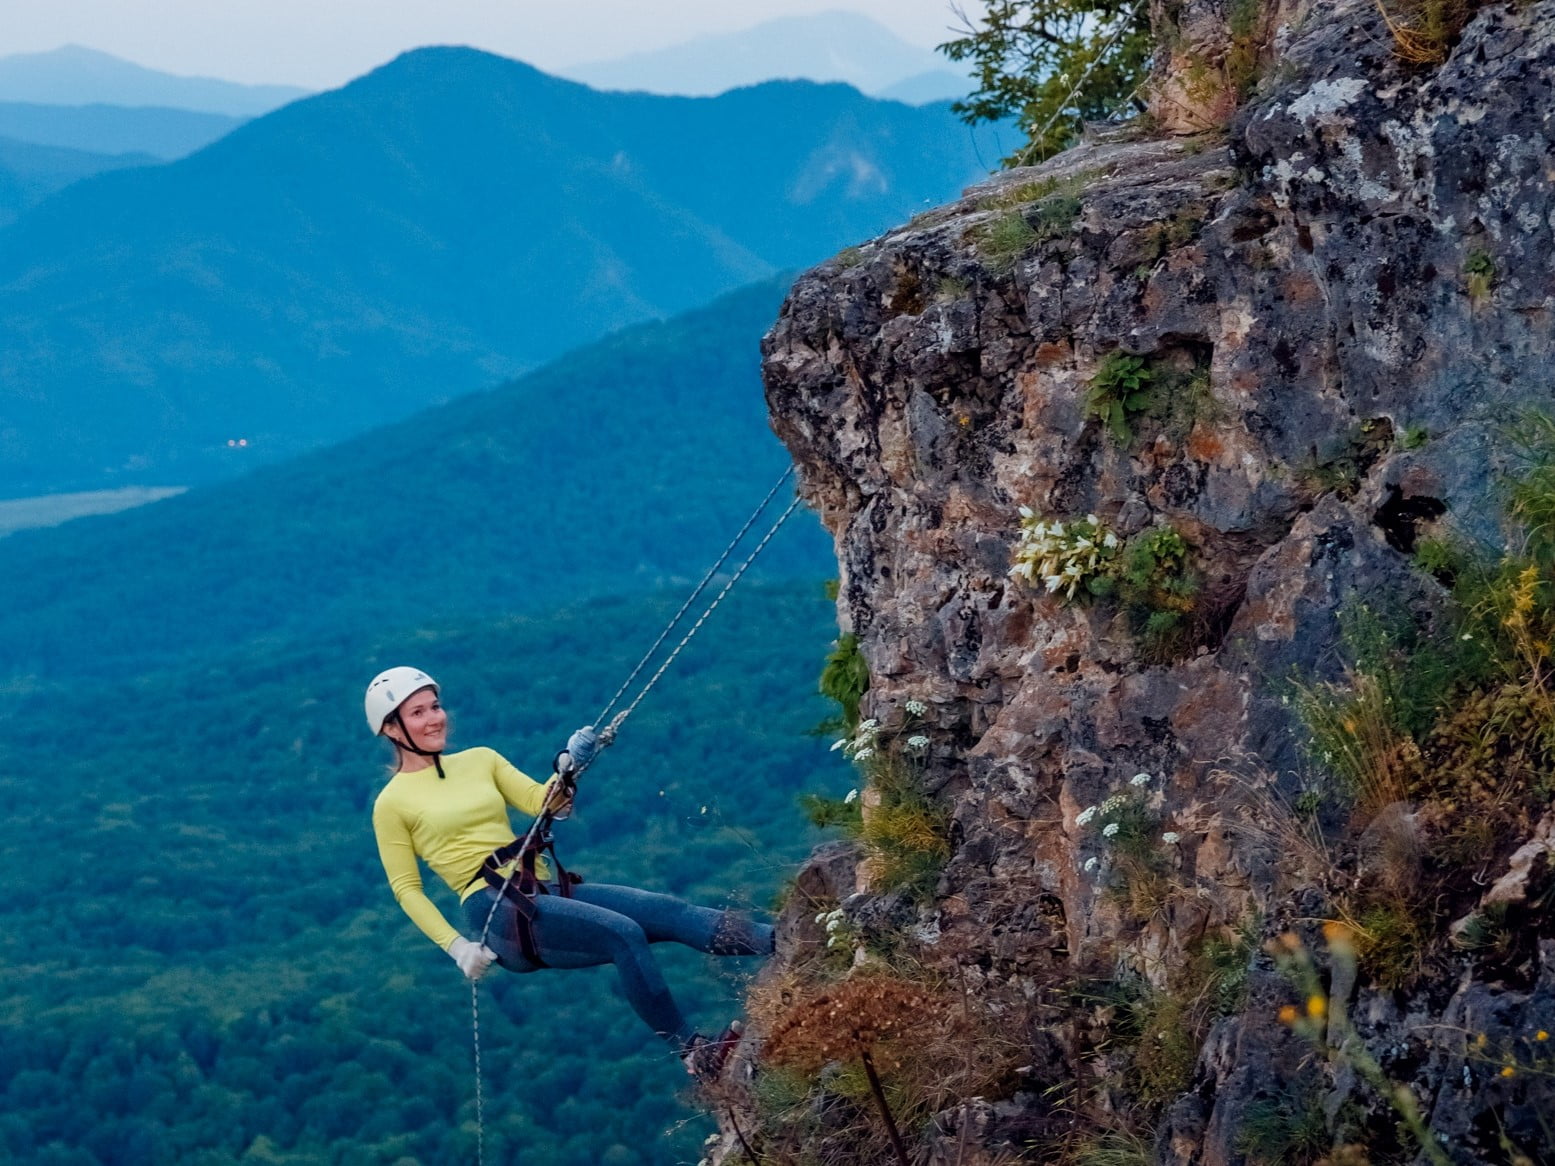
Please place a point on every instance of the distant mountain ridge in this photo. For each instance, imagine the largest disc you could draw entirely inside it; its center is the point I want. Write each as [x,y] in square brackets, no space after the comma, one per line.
[114,129]
[447,221]
[824,46]
[75,75]
[29,173]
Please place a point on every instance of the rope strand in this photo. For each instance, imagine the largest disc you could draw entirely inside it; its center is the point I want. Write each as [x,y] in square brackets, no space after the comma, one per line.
[692,598]
[542,818]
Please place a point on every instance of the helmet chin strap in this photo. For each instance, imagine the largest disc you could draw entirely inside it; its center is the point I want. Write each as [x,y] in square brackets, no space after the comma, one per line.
[410,743]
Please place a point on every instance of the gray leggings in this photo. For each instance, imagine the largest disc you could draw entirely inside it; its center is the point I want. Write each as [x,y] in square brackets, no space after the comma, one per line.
[603,924]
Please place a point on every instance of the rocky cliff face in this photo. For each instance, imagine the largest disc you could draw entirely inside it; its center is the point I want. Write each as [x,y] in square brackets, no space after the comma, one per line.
[1334,305]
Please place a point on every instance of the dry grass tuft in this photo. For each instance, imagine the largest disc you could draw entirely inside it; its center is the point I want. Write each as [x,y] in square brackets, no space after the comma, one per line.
[1424,30]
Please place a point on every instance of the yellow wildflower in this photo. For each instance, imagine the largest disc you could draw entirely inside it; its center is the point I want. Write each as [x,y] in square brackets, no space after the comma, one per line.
[1317,1007]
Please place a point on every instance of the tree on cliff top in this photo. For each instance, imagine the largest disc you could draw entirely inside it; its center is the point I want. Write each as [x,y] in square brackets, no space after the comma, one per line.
[1052,63]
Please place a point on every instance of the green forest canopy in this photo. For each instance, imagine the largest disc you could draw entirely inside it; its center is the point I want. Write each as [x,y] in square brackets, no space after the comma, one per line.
[200,960]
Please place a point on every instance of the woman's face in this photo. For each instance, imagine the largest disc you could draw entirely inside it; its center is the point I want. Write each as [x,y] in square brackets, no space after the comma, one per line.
[423,715]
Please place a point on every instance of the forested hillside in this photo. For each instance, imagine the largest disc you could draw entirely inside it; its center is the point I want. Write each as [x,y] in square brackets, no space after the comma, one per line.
[623,468]
[451,219]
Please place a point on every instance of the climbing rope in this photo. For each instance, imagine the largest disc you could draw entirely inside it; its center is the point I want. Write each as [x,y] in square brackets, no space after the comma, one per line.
[692,598]
[542,819]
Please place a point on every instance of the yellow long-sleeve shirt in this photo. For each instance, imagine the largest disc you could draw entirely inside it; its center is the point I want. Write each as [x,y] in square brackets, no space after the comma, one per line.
[452,823]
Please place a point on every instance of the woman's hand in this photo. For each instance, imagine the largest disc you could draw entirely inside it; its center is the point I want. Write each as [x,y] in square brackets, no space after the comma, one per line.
[582,747]
[473,958]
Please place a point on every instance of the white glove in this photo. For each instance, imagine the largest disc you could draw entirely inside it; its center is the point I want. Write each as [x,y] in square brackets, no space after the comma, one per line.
[473,958]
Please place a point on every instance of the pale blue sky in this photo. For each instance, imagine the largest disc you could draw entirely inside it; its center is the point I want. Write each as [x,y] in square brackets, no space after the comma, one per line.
[322,43]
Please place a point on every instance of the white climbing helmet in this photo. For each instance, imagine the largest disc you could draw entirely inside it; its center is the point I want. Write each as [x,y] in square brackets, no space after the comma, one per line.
[389,690]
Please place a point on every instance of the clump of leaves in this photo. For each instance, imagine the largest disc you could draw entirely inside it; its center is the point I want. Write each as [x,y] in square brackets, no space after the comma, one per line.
[1342,468]
[1159,587]
[1479,274]
[1119,391]
[845,679]
[1004,239]
[1050,64]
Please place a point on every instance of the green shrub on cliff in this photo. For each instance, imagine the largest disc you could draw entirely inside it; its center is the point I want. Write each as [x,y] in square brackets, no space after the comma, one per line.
[1051,63]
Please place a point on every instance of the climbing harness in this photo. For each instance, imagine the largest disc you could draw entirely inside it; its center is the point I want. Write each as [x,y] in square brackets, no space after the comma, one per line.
[523,883]
[522,854]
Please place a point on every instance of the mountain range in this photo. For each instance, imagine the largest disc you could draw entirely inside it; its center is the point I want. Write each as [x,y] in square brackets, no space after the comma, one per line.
[821,46]
[442,223]
[164,134]
[623,467]
[74,75]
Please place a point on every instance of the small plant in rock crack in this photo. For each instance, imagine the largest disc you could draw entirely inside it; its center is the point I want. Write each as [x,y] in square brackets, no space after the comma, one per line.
[1159,589]
[1479,274]
[1131,848]
[1065,556]
[1121,388]
[1151,575]
[905,833]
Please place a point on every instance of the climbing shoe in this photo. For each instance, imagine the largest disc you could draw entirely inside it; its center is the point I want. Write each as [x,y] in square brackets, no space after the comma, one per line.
[705,1056]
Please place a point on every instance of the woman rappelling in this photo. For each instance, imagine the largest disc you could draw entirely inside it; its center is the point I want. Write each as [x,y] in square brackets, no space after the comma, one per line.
[526,913]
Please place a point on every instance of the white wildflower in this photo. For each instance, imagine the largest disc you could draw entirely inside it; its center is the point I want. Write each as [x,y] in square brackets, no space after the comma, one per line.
[836,745]
[917,742]
[711,1139]
[1027,512]
[1109,829]
[851,798]
[1110,541]
[1140,779]
[869,726]
[1171,837]
[821,918]
[1466,636]
[916,708]
[1092,863]
[1054,582]
[863,754]
[1085,815]
[1112,803]
[832,923]
[1056,530]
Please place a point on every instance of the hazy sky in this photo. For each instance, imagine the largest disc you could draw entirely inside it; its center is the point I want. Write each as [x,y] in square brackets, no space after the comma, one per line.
[321,43]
